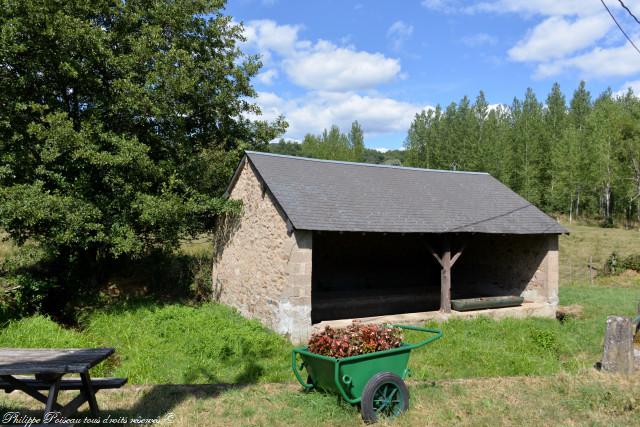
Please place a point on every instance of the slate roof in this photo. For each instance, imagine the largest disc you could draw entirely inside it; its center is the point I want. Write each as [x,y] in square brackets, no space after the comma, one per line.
[343,196]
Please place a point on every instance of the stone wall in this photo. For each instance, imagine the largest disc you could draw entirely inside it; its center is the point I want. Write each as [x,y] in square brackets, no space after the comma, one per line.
[262,268]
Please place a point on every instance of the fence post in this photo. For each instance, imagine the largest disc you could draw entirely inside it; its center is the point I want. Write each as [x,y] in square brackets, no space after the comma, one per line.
[618,346]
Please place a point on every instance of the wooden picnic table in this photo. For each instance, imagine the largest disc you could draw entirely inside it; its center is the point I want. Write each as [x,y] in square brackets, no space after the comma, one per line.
[32,370]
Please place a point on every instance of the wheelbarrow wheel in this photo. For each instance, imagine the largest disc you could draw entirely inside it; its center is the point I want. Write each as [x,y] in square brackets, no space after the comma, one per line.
[384,396]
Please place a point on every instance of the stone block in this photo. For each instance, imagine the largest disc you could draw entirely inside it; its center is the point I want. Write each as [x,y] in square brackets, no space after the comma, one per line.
[618,354]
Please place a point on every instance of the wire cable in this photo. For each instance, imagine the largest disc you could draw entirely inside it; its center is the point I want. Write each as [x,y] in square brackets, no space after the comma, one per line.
[619,27]
[628,10]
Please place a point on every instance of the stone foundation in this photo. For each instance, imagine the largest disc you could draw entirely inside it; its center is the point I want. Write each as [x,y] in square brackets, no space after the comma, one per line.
[418,319]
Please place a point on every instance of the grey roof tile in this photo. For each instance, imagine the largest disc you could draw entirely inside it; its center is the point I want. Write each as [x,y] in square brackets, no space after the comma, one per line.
[344,196]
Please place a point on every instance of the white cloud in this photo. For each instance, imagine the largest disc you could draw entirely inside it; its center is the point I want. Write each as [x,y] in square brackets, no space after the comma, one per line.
[633,85]
[381,149]
[446,6]
[599,62]
[398,33]
[267,77]
[268,36]
[479,39]
[321,65]
[319,110]
[329,67]
[539,7]
[556,37]
[565,36]
[332,76]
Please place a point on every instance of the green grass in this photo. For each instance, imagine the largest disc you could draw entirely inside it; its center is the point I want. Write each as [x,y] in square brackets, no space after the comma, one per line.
[167,344]
[533,346]
[6,246]
[158,344]
[589,399]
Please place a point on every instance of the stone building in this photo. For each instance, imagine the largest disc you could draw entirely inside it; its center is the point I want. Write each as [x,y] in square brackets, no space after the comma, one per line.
[322,242]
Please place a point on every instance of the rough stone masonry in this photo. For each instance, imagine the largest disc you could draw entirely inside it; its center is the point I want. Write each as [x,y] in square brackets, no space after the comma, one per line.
[264,270]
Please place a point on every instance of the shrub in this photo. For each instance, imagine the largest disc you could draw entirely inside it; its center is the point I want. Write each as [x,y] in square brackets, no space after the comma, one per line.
[545,339]
[24,282]
[617,264]
[355,339]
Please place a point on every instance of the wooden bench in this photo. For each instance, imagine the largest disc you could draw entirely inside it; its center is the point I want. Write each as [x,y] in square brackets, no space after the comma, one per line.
[65,384]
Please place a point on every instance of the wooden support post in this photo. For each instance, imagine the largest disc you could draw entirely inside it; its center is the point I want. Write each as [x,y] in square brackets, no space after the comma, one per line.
[618,346]
[446,261]
[445,279]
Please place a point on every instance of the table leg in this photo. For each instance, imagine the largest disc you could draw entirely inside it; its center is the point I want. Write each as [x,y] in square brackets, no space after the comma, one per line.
[90,394]
[19,385]
[52,400]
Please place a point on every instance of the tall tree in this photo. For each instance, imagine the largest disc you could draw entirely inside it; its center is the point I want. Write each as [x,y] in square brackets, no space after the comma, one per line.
[604,132]
[580,159]
[356,141]
[120,122]
[555,119]
[528,151]
[579,110]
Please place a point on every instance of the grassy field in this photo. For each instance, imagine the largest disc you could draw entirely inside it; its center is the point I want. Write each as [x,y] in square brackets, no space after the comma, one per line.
[591,399]
[211,343]
[483,372]
[171,343]
[595,243]
[6,247]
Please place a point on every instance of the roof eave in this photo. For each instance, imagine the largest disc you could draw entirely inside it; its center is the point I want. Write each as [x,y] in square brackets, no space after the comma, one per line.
[235,176]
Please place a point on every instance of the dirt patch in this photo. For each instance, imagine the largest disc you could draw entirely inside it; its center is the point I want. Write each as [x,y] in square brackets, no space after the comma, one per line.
[630,274]
[567,312]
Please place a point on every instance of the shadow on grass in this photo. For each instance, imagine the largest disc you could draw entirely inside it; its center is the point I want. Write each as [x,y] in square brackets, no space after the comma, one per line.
[155,402]
[159,401]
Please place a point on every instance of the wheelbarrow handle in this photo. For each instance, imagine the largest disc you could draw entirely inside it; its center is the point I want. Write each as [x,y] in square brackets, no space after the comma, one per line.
[296,371]
[437,332]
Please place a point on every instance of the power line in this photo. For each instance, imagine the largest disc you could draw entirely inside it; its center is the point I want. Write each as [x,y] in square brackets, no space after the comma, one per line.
[621,30]
[628,10]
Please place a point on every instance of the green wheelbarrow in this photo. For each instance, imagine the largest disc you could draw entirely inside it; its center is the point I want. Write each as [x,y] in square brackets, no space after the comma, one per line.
[375,381]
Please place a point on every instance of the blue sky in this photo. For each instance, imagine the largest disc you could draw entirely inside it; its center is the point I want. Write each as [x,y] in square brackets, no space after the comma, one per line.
[379,62]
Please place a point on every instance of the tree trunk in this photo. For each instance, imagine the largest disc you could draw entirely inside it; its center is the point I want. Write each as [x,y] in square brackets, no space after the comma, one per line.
[571,209]
[607,203]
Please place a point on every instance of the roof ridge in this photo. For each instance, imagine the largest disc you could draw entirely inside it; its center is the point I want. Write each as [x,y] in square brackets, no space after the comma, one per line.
[343,162]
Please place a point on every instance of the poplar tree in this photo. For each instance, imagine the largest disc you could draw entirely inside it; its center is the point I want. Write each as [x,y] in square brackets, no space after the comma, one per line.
[356,141]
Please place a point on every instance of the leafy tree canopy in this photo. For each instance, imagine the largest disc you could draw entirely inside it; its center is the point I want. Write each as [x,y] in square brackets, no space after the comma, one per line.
[580,158]
[121,121]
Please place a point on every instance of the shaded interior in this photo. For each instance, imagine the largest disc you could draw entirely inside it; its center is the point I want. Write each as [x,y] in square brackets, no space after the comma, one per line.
[360,275]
